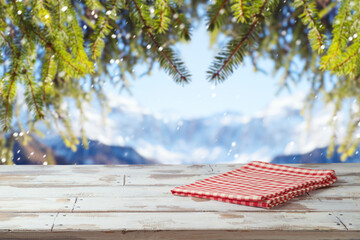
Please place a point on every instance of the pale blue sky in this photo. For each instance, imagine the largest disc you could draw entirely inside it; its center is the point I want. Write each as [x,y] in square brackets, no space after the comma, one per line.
[245,91]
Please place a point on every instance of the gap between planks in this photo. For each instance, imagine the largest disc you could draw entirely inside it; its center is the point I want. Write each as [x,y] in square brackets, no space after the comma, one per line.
[52,227]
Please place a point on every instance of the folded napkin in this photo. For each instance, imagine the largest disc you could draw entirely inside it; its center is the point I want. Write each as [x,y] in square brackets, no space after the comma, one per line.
[258,184]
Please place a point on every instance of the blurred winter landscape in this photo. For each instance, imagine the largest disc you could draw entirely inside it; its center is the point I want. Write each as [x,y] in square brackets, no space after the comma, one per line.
[161,122]
[134,135]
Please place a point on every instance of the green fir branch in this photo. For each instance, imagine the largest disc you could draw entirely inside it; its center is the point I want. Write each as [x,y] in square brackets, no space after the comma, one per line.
[167,58]
[348,60]
[162,15]
[339,39]
[48,74]
[311,19]
[100,33]
[32,97]
[10,93]
[216,14]
[61,53]
[241,10]
[230,58]
[182,23]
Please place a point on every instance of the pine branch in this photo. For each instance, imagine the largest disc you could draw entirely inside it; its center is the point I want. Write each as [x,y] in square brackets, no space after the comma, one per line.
[34,100]
[49,70]
[240,8]
[42,13]
[350,57]
[94,48]
[181,76]
[165,52]
[225,59]
[338,36]
[98,44]
[94,4]
[11,90]
[319,38]
[310,18]
[23,25]
[9,96]
[77,39]
[58,53]
[185,28]
[215,14]
[163,20]
[8,42]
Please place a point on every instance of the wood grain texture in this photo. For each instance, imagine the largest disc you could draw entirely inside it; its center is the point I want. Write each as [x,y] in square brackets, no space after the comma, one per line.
[71,176]
[72,191]
[36,205]
[28,222]
[135,202]
[182,179]
[245,221]
[184,235]
[191,204]
[104,169]
[351,220]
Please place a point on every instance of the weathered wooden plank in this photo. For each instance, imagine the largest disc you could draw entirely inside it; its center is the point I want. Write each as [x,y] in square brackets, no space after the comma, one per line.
[340,168]
[164,179]
[26,222]
[36,205]
[184,235]
[182,179]
[331,192]
[351,220]
[197,221]
[84,175]
[105,169]
[72,191]
[48,179]
[336,191]
[189,204]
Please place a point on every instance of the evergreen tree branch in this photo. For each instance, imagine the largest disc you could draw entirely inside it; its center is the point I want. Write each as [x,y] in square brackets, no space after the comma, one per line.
[8,42]
[183,77]
[77,39]
[227,57]
[163,20]
[9,96]
[53,48]
[98,43]
[214,13]
[240,8]
[350,57]
[23,24]
[48,73]
[184,29]
[11,90]
[94,4]
[36,104]
[310,18]
[338,36]
[319,37]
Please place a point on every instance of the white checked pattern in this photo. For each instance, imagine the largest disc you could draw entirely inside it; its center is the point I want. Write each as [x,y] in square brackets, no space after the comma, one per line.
[258,184]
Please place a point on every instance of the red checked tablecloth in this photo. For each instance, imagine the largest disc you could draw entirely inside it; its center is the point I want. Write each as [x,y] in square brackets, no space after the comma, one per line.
[258,184]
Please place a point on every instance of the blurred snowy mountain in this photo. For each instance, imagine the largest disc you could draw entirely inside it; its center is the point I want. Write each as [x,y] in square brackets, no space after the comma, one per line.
[278,130]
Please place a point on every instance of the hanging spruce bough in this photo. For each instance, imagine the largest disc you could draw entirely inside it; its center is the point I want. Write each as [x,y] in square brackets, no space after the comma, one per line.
[236,49]
[53,51]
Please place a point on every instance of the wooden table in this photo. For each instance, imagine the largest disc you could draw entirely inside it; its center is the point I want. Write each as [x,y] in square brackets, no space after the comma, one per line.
[134,202]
